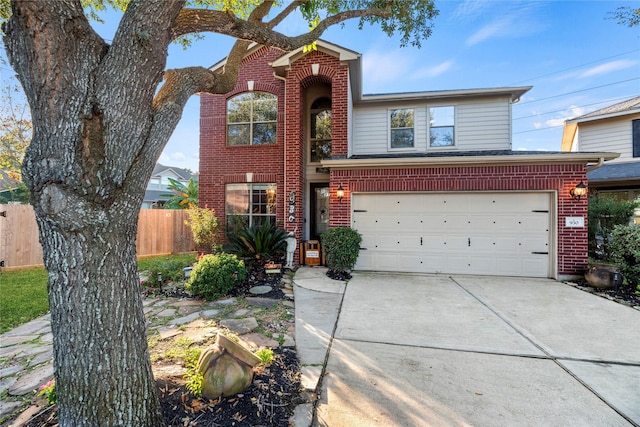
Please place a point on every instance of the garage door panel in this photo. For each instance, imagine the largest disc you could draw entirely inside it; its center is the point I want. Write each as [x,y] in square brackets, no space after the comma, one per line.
[464,233]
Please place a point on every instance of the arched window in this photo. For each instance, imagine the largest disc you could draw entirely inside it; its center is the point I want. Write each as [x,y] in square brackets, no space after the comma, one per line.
[251,119]
[320,124]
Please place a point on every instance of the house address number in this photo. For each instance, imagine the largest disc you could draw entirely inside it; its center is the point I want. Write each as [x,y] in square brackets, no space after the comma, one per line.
[292,207]
[574,222]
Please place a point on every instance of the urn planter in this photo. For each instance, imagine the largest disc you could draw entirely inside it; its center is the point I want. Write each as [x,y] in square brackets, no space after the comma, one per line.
[226,368]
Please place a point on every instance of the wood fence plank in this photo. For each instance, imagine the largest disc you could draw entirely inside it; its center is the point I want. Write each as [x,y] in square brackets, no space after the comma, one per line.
[160,231]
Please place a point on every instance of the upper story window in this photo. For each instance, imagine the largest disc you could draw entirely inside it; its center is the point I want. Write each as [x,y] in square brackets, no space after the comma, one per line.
[320,124]
[441,126]
[251,119]
[635,136]
[402,128]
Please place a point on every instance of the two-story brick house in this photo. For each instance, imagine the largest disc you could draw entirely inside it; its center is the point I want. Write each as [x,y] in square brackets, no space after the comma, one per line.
[613,128]
[428,178]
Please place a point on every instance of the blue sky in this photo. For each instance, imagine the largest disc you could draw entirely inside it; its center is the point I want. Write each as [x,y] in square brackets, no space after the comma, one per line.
[575,58]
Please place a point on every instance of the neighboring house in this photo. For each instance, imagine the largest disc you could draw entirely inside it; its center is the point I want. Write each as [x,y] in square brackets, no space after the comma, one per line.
[427,178]
[614,128]
[157,188]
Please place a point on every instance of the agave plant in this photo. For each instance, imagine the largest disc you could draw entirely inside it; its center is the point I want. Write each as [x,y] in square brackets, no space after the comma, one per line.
[261,241]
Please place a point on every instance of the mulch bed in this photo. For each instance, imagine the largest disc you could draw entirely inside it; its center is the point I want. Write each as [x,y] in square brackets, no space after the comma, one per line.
[269,400]
[624,295]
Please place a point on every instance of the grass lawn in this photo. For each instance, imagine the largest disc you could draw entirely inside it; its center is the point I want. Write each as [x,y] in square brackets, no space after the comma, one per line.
[23,293]
[23,296]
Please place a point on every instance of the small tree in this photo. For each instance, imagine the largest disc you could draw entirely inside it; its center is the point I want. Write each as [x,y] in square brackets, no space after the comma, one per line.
[604,214]
[625,252]
[204,226]
[342,247]
[182,196]
[261,241]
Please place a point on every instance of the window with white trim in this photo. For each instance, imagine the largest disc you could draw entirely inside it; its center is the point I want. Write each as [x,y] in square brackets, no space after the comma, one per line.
[401,123]
[251,119]
[442,126]
[248,204]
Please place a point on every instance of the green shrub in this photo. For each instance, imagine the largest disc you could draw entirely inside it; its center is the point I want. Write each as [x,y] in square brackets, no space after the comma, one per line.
[167,270]
[342,246]
[204,226]
[604,214]
[625,252]
[261,241]
[265,355]
[215,275]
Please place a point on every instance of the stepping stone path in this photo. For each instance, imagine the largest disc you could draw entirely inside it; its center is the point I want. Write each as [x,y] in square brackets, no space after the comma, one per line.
[26,353]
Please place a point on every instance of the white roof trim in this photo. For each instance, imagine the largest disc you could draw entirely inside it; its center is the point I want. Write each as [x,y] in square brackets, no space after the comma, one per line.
[604,116]
[341,53]
[404,162]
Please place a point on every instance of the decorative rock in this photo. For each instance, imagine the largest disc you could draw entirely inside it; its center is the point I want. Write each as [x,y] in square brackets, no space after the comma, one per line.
[240,326]
[32,380]
[16,339]
[167,312]
[602,276]
[16,350]
[7,383]
[210,314]
[10,370]
[255,340]
[7,408]
[259,290]
[168,333]
[288,303]
[45,356]
[226,302]
[189,309]
[186,319]
[261,302]
[47,338]
[227,368]
[288,341]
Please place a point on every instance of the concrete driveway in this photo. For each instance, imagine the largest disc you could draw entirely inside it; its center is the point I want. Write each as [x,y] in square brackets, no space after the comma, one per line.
[418,350]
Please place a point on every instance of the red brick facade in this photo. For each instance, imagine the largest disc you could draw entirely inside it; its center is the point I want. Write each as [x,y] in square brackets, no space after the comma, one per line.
[221,164]
[572,242]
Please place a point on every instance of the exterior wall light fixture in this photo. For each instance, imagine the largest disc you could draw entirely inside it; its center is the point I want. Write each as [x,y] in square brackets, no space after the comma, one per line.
[578,191]
[340,193]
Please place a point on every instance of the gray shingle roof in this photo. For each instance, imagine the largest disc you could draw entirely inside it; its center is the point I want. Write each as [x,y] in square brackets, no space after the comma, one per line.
[615,172]
[629,105]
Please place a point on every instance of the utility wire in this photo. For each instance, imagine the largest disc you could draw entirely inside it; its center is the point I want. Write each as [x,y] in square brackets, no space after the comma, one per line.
[579,91]
[576,66]
[577,106]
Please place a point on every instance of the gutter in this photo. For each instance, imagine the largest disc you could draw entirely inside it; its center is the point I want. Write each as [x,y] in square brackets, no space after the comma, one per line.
[596,166]
[403,162]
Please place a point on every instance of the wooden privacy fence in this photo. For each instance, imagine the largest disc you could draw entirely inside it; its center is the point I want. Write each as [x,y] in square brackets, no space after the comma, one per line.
[160,231]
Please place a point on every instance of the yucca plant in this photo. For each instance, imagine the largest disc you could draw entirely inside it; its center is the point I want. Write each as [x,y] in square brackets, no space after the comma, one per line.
[261,241]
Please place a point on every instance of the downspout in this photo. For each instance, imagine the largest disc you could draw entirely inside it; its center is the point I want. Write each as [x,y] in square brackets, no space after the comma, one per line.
[284,151]
[596,166]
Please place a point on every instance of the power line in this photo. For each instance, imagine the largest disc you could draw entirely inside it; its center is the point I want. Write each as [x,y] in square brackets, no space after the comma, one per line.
[538,130]
[576,66]
[577,106]
[579,91]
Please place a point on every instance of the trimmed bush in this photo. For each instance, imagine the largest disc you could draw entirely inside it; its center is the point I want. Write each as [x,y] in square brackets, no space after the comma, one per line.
[341,246]
[261,241]
[625,252]
[604,214]
[215,275]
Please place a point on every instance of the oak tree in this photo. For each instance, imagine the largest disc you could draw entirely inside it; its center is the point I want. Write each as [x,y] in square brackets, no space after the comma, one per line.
[102,113]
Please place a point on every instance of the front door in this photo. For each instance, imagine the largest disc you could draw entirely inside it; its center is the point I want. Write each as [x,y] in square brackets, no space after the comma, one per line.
[319,209]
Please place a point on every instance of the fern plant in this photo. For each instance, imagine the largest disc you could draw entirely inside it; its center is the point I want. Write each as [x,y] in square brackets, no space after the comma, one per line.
[261,241]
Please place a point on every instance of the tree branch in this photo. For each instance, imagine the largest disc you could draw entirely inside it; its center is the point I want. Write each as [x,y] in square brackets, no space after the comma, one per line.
[202,20]
[285,12]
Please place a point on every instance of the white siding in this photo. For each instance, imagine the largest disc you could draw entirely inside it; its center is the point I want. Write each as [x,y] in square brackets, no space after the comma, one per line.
[609,136]
[480,125]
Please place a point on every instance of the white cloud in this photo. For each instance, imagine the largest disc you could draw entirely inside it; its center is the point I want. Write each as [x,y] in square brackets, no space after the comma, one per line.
[380,66]
[178,157]
[497,28]
[470,9]
[433,71]
[608,67]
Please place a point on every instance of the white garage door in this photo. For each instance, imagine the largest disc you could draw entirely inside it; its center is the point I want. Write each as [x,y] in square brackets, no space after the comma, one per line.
[457,233]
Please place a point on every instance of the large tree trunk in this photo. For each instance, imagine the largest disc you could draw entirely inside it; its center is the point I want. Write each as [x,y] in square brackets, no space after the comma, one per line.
[102,368]
[97,135]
